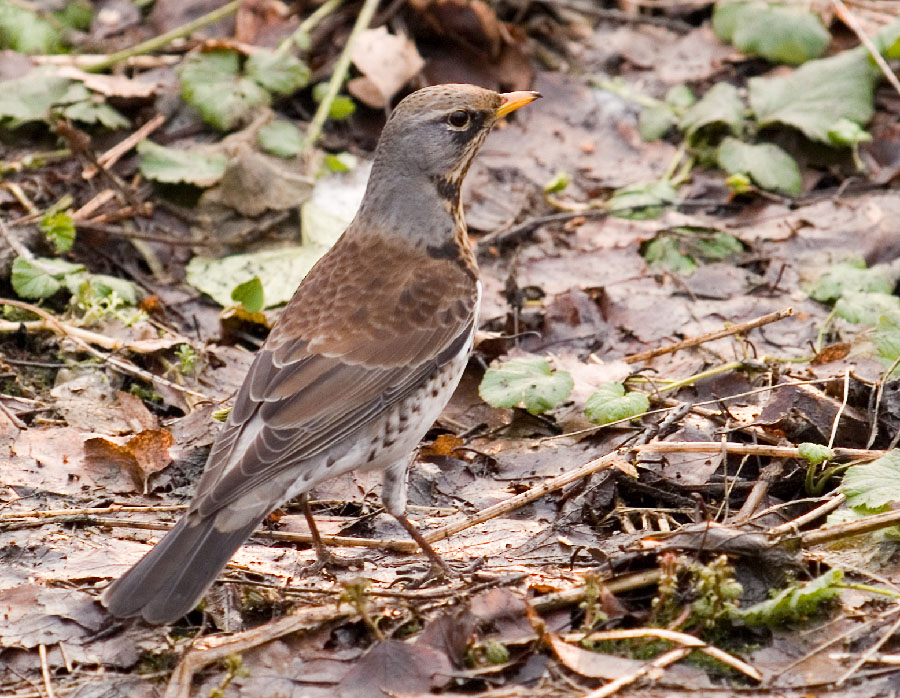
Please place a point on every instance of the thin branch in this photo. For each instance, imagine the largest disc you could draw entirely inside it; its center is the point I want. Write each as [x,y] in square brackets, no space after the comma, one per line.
[710,336]
[747,449]
[314,131]
[847,18]
[162,40]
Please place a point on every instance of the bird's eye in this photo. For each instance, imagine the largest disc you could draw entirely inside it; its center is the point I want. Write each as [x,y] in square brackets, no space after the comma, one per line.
[459,118]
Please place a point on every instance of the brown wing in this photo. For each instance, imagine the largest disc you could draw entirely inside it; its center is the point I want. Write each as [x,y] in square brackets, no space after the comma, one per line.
[335,362]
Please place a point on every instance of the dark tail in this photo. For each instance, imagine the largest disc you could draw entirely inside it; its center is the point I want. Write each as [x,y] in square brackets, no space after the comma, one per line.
[169,581]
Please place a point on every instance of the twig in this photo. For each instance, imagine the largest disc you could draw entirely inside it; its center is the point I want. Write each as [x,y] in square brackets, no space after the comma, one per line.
[673,636]
[847,18]
[158,42]
[747,449]
[308,24]
[404,546]
[870,652]
[48,514]
[519,500]
[111,156]
[837,417]
[504,237]
[314,131]
[102,198]
[867,524]
[78,334]
[795,524]
[212,649]
[710,336]
[45,671]
[124,366]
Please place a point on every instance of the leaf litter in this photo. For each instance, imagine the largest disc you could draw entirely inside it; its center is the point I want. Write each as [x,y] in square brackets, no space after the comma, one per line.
[616,495]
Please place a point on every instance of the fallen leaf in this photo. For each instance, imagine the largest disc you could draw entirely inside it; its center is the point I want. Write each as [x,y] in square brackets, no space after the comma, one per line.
[138,458]
[387,62]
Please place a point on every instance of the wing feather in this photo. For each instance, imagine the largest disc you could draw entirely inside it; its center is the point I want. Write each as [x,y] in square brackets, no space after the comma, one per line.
[320,378]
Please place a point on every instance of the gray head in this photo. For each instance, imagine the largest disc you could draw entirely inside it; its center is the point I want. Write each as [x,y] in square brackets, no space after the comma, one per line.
[436,131]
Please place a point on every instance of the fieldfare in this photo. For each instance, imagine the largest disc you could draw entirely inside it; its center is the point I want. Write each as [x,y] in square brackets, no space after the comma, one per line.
[361,362]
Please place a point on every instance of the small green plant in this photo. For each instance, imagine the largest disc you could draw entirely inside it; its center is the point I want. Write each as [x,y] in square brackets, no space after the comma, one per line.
[700,598]
[527,383]
[795,604]
[234,668]
[59,229]
[610,403]
[187,358]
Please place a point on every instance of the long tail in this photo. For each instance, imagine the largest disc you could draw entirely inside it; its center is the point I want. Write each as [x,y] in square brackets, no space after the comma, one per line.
[169,581]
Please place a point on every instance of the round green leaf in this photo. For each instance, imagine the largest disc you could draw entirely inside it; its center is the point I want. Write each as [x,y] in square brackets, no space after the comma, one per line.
[610,403]
[528,383]
[250,295]
[765,163]
[815,453]
[281,138]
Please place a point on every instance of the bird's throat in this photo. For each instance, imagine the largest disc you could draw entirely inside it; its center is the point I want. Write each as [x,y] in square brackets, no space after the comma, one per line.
[426,212]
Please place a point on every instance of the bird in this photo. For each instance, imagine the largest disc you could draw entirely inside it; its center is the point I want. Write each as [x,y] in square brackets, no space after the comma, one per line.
[360,363]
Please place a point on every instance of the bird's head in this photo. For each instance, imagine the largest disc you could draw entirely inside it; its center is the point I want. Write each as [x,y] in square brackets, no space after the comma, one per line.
[436,131]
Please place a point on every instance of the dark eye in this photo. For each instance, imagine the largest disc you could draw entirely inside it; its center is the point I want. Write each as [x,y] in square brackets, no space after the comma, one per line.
[459,118]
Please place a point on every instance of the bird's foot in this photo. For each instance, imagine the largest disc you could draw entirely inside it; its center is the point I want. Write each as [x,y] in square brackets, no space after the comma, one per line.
[441,571]
[327,565]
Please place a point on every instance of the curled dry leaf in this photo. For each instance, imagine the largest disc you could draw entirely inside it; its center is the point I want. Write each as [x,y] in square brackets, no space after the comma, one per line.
[387,62]
[136,460]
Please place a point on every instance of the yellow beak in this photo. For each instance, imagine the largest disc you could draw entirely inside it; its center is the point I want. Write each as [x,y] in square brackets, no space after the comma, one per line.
[514,100]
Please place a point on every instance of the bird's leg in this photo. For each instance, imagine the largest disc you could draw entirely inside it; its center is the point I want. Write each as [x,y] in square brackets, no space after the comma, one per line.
[393,494]
[324,558]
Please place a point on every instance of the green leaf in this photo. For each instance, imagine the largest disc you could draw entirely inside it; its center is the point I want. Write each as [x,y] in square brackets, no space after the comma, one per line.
[654,122]
[815,453]
[340,162]
[91,111]
[663,252]
[528,383]
[887,339]
[250,295]
[211,84]
[280,270]
[779,33]
[766,164]
[887,41]
[281,74]
[795,604]
[722,104]
[817,95]
[24,31]
[711,245]
[846,132]
[739,183]
[341,108]
[92,287]
[59,228]
[851,275]
[558,183]
[40,278]
[680,97]
[172,165]
[725,18]
[875,486]
[642,200]
[77,14]
[610,403]
[865,308]
[281,138]
[30,97]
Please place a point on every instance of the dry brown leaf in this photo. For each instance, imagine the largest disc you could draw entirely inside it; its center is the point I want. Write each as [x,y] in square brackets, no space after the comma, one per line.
[136,459]
[387,62]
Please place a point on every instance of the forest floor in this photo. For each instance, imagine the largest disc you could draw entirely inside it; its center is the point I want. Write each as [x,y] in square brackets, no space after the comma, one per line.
[736,537]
